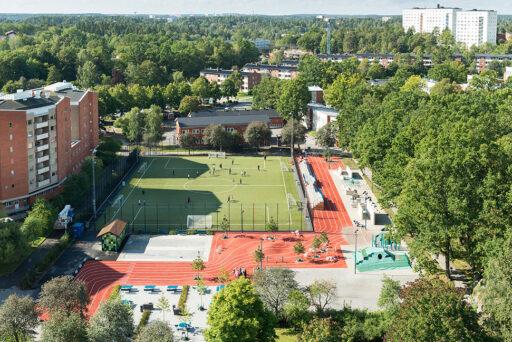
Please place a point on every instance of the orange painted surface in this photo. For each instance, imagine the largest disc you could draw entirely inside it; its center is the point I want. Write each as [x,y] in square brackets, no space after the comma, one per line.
[234,252]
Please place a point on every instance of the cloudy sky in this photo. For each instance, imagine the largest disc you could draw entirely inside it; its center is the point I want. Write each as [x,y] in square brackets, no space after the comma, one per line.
[238,6]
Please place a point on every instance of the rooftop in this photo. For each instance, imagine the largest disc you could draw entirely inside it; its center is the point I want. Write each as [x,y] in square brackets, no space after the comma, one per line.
[40,97]
[208,113]
[203,121]
[270,67]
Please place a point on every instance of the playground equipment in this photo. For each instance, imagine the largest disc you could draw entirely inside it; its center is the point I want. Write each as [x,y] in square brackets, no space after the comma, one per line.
[65,218]
[380,240]
[376,258]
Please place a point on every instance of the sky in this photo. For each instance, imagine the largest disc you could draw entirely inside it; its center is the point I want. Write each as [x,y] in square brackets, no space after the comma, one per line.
[272,7]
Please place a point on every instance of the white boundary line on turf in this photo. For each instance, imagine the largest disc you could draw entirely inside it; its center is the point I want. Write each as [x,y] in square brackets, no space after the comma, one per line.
[126,198]
[286,194]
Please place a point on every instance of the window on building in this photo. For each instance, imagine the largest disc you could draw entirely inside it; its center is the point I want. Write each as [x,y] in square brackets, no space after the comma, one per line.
[10,124]
[12,172]
[29,122]
[12,186]
[11,149]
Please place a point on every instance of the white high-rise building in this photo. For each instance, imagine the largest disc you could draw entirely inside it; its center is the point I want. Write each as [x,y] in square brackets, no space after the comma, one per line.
[474,27]
[425,20]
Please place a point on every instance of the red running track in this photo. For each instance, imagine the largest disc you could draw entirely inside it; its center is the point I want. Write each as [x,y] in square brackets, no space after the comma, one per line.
[335,216]
[227,254]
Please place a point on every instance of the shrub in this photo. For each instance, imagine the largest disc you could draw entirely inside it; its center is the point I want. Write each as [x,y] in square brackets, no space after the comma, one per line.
[183,299]
[115,294]
[143,321]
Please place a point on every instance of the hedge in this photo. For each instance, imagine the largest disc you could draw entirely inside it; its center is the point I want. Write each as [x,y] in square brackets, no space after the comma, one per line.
[143,321]
[183,299]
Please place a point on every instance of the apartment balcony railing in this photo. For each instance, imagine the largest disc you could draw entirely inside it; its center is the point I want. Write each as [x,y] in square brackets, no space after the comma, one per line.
[43,170]
[42,147]
[43,159]
[42,136]
[42,124]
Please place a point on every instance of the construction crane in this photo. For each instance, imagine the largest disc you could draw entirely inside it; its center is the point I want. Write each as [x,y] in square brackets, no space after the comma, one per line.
[328,28]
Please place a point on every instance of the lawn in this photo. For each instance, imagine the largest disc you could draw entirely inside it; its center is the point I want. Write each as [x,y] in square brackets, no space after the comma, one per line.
[166,189]
[285,335]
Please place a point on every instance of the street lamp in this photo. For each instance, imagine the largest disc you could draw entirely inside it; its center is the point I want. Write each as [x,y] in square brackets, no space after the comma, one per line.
[355,251]
[94,182]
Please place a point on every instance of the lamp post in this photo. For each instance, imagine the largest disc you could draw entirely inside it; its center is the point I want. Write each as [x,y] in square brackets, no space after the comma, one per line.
[291,141]
[355,251]
[94,183]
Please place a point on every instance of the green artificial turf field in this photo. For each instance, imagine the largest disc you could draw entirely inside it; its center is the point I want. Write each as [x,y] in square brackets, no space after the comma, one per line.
[165,190]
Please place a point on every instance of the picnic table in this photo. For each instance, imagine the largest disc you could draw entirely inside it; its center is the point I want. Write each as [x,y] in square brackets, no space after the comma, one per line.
[219,287]
[173,288]
[126,288]
[150,288]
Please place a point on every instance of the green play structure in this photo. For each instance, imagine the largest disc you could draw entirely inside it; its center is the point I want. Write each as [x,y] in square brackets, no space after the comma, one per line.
[381,240]
[378,258]
[112,236]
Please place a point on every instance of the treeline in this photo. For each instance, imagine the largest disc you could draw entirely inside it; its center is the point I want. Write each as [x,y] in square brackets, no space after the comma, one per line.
[55,52]
[442,162]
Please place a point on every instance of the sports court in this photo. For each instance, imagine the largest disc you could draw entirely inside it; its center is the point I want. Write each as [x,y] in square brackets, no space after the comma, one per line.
[166,248]
[247,192]
[238,249]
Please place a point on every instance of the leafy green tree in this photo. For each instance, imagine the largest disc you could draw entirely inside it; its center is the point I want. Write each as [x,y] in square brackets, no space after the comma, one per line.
[497,292]
[18,318]
[14,242]
[153,127]
[293,100]
[112,322]
[155,331]
[145,74]
[62,327]
[326,136]
[322,293]
[299,248]
[298,130]
[238,314]
[189,104]
[187,140]
[40,219]
[198,265]
[64,294]
[432,310]
[87,75]
[54,75]
[312,70]
[266,93]
[444,87]
[257,134]
[259,255]
[321,330]
[454,71]
[296,309]
[132,124]
[164,305]
[486,80]
[201,88]
[274,286]
[215,136]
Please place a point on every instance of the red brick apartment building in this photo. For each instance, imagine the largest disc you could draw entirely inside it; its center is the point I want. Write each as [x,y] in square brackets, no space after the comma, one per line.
[45,134]
[238,120]
[249,79]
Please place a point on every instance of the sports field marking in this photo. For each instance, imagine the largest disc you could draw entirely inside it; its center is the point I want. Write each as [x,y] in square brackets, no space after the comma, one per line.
[133,188]
[286,195]
[136,215]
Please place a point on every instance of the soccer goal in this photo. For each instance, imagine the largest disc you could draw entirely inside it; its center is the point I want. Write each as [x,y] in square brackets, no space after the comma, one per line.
[142,168]
[291,200]
[217,155]
[199,221]
[284,167]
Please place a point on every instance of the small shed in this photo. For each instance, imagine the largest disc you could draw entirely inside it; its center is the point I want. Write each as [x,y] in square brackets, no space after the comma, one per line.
[112,235]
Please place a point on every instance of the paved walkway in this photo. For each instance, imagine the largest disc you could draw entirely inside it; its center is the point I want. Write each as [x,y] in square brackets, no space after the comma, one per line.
[14,278]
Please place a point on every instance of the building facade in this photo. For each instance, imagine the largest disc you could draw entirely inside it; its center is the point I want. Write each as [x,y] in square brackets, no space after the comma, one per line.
[319,114]
[249,79]
[473,27]
[45,134]
[231,121]
[283,72]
